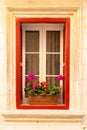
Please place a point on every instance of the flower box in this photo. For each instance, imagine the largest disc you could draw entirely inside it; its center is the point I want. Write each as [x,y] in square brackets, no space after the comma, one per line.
[41,93]
[43,100]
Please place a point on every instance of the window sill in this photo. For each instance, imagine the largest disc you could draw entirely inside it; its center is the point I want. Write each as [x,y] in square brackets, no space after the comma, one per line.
[42,116]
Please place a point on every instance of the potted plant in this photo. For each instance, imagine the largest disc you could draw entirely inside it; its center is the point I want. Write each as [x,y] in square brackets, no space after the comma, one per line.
[40,93]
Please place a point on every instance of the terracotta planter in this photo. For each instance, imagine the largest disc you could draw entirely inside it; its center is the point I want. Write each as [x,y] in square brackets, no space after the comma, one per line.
[43,100]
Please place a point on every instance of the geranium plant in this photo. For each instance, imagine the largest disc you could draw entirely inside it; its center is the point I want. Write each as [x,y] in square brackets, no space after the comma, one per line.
[34,87]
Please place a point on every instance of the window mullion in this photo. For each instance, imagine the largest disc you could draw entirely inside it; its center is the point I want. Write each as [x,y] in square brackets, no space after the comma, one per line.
[40,56]
[44,54]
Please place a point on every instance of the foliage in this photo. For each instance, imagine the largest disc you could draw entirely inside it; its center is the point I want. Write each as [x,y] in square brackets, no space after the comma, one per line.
[34,87]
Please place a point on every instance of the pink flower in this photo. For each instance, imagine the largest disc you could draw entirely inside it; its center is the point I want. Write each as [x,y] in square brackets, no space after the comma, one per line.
[28,80]
[59,77]
[30,77]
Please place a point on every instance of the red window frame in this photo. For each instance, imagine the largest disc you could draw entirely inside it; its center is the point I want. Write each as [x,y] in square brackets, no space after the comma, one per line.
[66,21]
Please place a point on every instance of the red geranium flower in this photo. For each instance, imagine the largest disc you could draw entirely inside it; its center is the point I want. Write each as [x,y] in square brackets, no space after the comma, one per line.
[44,83]
[35,85]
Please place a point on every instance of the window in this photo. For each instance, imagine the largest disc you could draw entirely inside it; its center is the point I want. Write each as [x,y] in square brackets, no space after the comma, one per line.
[42,48]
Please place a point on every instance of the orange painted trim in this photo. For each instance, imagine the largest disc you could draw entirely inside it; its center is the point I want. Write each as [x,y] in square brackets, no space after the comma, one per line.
[18,63]
[67,62]
[42,20]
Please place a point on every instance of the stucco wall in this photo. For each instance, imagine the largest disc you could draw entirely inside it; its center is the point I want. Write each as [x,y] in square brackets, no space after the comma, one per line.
[82,52]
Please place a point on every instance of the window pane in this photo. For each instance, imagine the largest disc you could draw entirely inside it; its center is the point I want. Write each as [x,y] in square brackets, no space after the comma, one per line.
[53,41]
[52,64]
[32,41]
[32,64]
[51,81]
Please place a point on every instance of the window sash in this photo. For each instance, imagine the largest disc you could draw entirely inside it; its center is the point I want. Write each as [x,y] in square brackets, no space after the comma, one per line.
[42,28]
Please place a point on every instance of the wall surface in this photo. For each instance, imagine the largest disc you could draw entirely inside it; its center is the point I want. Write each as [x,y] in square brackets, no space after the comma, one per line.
[78,73]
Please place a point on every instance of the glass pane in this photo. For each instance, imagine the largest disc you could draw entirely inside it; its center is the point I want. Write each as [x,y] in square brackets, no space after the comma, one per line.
[51,81]
[53,41]
[32,64]
[32,41]
[52,64]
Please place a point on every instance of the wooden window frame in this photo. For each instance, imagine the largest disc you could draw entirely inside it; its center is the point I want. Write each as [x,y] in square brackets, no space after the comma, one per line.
[66,21]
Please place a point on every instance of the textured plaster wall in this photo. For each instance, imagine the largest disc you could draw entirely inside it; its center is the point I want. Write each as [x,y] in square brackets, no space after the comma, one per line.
[3,57]
[45,3]
[4,87]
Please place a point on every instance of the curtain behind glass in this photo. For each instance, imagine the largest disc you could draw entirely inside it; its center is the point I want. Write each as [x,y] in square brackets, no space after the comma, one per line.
[53,59]
[52,53]
[32,57]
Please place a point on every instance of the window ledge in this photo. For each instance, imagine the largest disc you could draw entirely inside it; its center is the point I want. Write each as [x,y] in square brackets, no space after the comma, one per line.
[42,115]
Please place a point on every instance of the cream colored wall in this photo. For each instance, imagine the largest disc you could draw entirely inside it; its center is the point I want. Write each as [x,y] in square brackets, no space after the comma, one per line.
[44,3]
[3,58]
[82,50]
